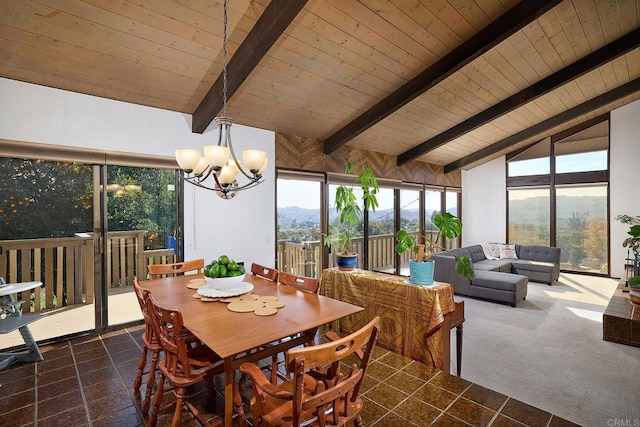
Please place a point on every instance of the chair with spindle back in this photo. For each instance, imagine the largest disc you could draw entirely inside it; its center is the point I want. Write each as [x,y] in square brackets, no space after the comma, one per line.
[320,393]
[301,283]
[149,343]
[181,365]
[158,271]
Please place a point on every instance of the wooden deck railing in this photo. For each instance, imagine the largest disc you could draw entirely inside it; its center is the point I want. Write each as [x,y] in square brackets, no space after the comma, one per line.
[306,258]
[299,258]
[65,266]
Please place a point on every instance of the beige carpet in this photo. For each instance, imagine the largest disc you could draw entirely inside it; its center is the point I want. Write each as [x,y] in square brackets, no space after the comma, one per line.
[549,352]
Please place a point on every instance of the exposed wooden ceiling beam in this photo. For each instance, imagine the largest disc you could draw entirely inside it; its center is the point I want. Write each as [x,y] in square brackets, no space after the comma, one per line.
[510,22]
[590,62]
[572,113]
[269,27]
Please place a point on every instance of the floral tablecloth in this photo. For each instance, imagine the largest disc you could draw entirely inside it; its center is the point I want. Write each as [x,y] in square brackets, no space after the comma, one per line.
[410,315]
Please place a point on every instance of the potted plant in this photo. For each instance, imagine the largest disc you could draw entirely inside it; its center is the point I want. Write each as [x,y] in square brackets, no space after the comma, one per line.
[339,240]
[633,243]
[421,267]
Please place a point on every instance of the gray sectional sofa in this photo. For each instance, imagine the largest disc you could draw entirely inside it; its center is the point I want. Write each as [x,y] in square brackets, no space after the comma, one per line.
[503,280]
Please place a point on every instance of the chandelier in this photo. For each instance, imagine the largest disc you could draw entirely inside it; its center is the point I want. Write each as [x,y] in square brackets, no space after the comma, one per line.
[220,161]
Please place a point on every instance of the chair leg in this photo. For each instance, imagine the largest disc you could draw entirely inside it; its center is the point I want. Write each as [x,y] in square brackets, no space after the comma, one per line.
[141,364]
[237,403]
[150,383]
[177,413]
[157,399]
[211,391]
[274,369]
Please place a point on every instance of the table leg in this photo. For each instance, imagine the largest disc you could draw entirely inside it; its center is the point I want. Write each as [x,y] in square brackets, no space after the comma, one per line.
[446,346]
[459,349]
[228,391]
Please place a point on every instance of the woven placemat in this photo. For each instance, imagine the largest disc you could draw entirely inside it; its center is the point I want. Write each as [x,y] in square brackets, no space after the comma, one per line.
[260,305]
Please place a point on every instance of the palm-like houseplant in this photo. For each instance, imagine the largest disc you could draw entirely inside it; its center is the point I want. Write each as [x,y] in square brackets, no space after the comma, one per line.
[421,266]
[350,212]
[633,243]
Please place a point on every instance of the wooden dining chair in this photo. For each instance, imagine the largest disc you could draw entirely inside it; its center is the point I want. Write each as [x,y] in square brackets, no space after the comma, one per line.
[181,366]
[320,393]
[302,283]
[157,271]
[265,272]
[149,344]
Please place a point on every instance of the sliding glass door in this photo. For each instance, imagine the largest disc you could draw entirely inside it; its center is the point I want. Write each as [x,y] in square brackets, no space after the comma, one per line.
[141,228]
[84,231]
[46,225]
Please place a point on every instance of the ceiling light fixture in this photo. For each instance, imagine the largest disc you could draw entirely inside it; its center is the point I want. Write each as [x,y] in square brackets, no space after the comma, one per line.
[219,161]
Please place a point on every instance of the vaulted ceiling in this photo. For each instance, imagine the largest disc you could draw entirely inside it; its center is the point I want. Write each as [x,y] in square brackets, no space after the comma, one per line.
[449,82]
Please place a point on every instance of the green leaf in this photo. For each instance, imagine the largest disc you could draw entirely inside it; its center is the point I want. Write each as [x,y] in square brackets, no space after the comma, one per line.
[405,242]
[464,268]
[448,224]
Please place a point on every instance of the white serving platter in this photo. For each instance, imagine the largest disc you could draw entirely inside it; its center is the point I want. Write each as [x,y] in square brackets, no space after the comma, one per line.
[225,287]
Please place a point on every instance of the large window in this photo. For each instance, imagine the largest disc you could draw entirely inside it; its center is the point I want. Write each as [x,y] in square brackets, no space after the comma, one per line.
[306,211]
[432,207]
[409,220]
[558,196]
[85,230]
[529,216]
[581,230]
[299,229]
[356,231]
[452,200]
[381,227]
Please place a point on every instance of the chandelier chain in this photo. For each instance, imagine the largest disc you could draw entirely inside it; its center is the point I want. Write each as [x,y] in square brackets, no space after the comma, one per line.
[224,60]
[220,162]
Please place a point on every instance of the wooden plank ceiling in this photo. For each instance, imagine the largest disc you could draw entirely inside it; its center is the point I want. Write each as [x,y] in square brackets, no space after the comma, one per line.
[338,59]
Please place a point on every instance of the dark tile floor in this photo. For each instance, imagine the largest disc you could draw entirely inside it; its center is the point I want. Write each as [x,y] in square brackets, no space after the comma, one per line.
[88,382]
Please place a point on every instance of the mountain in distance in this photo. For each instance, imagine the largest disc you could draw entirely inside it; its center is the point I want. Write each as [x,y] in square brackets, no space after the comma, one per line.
[288,215]
[536,209]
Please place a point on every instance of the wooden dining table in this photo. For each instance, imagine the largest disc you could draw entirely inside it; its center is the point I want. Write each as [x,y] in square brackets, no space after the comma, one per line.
[234,335]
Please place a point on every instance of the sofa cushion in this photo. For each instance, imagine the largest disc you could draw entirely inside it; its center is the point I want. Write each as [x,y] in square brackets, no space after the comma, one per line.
[491,250]
[503,265]
[539,253]
[523,264]
[508,251]
[457,251]
[501,281]
[476,253]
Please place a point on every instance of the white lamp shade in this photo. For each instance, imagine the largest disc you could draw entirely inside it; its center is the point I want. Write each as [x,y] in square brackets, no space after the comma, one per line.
[202,166]
[254,159]
[227,174]
[264,166]
[216,155]
[233,164]
[187,159]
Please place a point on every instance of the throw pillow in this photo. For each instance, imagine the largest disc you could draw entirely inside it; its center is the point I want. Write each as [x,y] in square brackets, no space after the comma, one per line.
[508,251]
[491,250]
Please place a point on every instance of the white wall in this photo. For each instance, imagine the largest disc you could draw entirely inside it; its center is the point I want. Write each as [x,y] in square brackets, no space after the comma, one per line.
[243,227]
[484,203]
[624,177]
[484,197]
